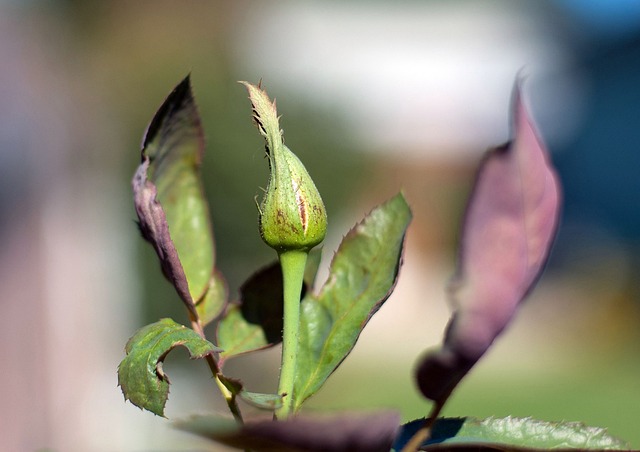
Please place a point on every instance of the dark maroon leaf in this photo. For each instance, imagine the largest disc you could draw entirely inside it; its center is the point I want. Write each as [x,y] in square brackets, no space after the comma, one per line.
[256,321]
[508,230]
[373,432]
[261,301]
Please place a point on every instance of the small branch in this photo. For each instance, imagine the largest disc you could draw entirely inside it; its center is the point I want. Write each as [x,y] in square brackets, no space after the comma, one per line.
[196,325]
[230,398]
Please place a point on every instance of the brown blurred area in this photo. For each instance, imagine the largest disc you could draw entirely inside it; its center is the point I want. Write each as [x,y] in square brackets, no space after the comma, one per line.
[374,98]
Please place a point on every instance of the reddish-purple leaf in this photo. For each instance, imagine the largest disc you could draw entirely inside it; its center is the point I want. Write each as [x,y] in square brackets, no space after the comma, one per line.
[508,230]
[155,229]
[373,432]
[170,202]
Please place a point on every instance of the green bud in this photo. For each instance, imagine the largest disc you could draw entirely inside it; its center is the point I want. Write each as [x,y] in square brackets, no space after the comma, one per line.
[292,214]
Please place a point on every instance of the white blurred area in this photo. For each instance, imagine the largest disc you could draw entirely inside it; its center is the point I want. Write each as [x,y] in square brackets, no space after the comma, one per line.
[427,80]
[424,85]
[427,87]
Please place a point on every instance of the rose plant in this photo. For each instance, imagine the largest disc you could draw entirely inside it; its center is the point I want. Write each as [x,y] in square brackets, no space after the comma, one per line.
[508,229]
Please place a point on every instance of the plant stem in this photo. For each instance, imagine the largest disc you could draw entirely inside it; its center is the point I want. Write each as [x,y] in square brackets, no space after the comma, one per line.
[424,431]
[230,398]
[293,264]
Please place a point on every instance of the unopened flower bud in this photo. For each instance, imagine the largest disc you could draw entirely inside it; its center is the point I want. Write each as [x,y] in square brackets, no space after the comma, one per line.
[292,214]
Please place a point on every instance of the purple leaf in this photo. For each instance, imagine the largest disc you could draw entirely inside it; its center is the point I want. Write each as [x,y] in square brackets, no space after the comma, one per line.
[155,229]
[508,230]
[261,301]
[365,433]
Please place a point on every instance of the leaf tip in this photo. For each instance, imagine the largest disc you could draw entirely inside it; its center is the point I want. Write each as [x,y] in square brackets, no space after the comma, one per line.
[179,97]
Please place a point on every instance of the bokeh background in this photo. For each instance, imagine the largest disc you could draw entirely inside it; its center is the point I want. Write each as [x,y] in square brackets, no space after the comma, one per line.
[375,97]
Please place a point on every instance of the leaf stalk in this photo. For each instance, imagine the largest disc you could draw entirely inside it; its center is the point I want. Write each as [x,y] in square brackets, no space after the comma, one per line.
[229,397]
[424,432]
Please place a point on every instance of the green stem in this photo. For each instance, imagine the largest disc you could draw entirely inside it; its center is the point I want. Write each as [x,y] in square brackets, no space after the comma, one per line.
[196,325]
[230,399]
[292,264]
[424,431]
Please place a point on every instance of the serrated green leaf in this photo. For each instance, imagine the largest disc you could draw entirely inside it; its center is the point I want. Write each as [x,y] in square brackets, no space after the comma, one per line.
[211,305]
[362,276]
[140,373]
[169,200]
[511,433]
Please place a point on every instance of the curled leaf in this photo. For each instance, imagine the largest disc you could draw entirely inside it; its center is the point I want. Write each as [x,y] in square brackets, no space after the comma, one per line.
[509,226]
[140,373]
[169,201]
[358,432]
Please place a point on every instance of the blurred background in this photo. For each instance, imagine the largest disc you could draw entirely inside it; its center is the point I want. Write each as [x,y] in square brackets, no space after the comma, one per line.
[375,97]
